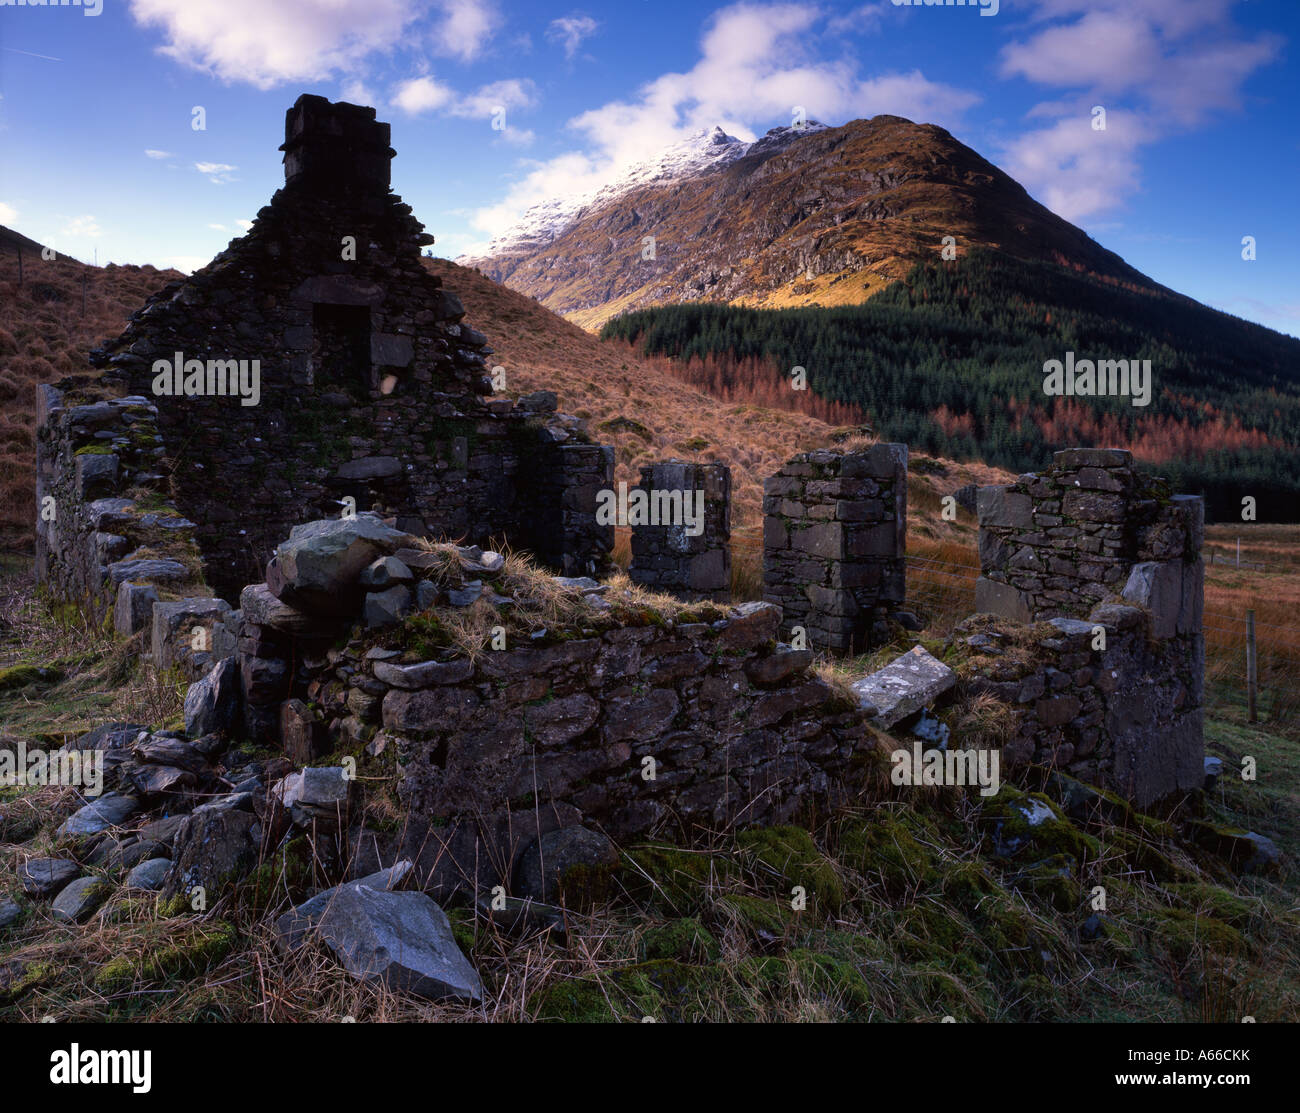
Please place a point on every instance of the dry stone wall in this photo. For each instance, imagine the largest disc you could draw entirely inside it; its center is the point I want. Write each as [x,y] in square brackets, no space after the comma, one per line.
[624,721]
[108,538]
[1110,558]
[834,544]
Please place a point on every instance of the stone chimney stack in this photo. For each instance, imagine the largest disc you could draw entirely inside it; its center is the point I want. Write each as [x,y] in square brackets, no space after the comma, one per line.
[335,148]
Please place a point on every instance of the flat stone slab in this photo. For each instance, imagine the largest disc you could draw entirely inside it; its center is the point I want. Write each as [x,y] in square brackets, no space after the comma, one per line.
[904,686]
[156,571]
[424,674]
[293,926]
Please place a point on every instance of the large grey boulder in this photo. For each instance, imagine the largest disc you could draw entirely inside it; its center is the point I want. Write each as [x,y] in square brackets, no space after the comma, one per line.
[904,686]
[108,736]
[133,608]
[213,704]
[292,928]
[321,796]
[190,634]
[1004,600]
[386,608]
[99,815]
[80,898]
[403,940]
[319,568]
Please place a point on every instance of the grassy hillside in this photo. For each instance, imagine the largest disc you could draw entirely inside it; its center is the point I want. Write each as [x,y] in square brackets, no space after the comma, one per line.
[48,325]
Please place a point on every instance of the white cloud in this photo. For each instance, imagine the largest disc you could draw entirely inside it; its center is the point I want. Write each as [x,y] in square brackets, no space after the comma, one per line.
[151,153]
[755,66]
[218,173]
[8,214]
[1076,171]
[244,224]
[422,94]
[571,30]
[356,91]
[1156,66]
[217,227]
[269,44]
[84,227]
[466,28]
[868,17]
[425,94]
[512,93]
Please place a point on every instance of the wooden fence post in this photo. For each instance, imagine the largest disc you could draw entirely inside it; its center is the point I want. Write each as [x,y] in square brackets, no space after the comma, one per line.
[1252,691]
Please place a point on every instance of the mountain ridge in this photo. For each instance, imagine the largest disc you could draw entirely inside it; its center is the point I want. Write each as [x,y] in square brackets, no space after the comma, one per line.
[827,216]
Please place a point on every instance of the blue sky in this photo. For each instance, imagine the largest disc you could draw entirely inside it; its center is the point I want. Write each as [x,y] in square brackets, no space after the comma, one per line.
[98,155]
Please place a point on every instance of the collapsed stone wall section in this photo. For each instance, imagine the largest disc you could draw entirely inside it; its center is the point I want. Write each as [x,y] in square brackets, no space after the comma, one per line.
[1094,545]
[553,730]
[109,539]
[670,558]
[834,545]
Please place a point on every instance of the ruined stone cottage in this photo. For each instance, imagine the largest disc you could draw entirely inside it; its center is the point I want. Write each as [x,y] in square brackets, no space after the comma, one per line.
[315,360]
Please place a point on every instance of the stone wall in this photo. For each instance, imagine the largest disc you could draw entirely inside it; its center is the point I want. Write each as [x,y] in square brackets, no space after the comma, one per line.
[372,385]
[108,538]
[1060,542]
[1099,698]
[665,556]
[834,542]
[1094,539]
[558,724]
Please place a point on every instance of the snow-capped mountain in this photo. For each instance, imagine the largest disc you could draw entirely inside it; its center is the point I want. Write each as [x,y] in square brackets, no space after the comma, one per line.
[705,150]
[809,216]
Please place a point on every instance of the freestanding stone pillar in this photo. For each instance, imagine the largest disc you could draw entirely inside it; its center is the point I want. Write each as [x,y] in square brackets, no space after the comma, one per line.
[689,559]
[834,545]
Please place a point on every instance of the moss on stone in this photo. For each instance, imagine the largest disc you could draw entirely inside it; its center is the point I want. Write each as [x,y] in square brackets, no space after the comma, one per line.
[1182,933]
[192,954]
[18,981]
[791,852]
[885,848]
[462,927]
[1236,911]
[1053,880]
[22,676]
[1142,856]
[686,940]
[667,876]
[835,981]
[1005,814]
[757,915]
[662,990]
